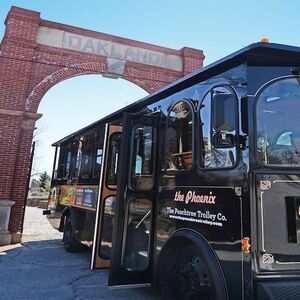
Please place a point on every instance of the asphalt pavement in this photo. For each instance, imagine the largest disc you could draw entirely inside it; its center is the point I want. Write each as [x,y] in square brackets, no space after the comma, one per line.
[40,268]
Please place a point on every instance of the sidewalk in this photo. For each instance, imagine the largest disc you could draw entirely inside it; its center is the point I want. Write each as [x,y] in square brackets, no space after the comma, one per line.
[40,268]
[37,227]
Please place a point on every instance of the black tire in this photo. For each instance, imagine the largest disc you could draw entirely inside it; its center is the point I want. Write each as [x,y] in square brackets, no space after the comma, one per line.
[199,276]
[71,244]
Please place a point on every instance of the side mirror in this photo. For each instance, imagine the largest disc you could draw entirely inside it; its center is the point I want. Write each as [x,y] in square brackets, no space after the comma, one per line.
[224,112]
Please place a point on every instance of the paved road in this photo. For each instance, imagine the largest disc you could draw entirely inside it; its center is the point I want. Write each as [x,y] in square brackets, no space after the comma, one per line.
[40,268]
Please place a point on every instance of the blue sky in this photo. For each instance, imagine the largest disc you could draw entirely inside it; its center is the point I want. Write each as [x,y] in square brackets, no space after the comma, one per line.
[217,27]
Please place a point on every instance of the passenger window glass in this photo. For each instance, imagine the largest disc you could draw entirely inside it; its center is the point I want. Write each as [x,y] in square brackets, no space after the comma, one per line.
[107,227]
[99,153]
[66,161]
[113,159]
[136,254]
[61,162]
[278,133]
[179,137]
[143,158]
[87,152]
[68,164]
[78,158]
[218,115]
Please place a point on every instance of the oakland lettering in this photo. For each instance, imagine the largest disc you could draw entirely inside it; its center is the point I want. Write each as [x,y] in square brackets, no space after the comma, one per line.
[114,50]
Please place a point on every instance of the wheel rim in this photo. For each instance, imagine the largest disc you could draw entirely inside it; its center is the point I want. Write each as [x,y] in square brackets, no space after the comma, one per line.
[194,280]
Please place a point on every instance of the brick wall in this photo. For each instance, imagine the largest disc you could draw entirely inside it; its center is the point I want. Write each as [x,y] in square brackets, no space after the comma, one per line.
[28,70]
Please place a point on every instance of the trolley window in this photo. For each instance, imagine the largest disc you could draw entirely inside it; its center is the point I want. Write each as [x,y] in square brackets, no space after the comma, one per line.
[68,164]
[218,121]
[99,136]
[107,227]
[136,252]
[60,170]
[179,137]
[143,158]
[113,160]
[66,161]
[78,158]
[277,122]
[87,152]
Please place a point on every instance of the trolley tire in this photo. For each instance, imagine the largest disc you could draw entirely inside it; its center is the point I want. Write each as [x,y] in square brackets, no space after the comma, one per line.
[70,241]
[199,275]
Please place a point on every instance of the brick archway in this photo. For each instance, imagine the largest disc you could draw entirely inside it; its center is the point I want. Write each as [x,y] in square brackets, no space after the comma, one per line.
[35,55]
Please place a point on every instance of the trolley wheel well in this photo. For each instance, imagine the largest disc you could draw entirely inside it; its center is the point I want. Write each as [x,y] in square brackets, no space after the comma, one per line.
[172,253]
[69,225]
[68,212]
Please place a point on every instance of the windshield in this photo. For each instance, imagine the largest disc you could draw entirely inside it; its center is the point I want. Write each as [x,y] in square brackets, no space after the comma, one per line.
[278,123]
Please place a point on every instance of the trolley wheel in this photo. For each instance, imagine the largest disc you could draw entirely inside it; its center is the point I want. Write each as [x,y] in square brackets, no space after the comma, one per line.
[196,280]
[71,244]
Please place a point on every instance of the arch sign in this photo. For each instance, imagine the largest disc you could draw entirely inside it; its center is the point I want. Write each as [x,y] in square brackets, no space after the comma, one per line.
[37,54]
[117,53]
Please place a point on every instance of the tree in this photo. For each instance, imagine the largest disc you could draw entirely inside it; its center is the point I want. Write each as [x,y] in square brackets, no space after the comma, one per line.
[45,182]
[35,188]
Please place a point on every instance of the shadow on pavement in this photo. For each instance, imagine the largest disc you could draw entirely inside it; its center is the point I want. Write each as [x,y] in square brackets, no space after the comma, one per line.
[40,268]
[44,270]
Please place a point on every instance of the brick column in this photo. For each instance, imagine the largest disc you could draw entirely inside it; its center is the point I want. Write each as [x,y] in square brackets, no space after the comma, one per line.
[16,125]
[192,60]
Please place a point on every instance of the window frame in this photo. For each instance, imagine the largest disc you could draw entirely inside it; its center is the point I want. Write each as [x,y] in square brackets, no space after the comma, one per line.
[233,92]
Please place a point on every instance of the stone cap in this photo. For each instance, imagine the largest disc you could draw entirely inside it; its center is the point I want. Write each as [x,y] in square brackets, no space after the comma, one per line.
[6,203]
